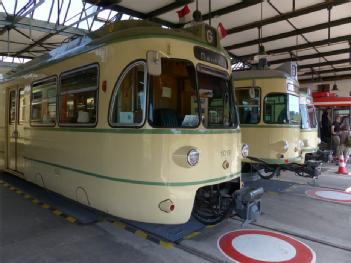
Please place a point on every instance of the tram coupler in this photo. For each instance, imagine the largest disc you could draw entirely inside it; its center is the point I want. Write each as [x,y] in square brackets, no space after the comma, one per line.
[320,155]
[247,204]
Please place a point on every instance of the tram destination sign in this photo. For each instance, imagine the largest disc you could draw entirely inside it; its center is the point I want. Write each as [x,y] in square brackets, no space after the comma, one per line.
[210,57]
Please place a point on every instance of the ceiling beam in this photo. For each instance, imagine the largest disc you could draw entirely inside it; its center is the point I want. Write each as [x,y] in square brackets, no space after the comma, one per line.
[231,8]
[327,63]
[318,55]
[299,31]
[326,71]
[303,46]
[330,78]
[285,16]
[167,8]
[131,12]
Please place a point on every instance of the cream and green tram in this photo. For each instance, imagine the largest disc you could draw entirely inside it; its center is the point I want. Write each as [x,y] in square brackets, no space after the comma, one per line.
[269,112]
[134,120]
[309,127]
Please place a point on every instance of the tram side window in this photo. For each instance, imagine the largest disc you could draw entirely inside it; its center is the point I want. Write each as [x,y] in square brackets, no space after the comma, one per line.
[128,103]
[275,109]
[12,107]
[78,97]
[43,103]
[173,101]
[22,107]
[248,100]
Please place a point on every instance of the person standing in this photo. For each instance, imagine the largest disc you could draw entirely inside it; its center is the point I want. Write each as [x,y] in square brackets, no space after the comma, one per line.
[325,127]
[335,130]
[345,142]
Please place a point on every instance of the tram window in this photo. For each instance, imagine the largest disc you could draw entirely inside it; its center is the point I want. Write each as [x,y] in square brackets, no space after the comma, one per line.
[12,107]
[128,100]
[217,105]
[78,97]
[43,102]
[248,101]
[275,108]
[173,101]
[22,107]
[308,117]
[294,109]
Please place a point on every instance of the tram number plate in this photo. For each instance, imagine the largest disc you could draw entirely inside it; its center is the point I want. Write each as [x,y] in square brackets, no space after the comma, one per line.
[226,153]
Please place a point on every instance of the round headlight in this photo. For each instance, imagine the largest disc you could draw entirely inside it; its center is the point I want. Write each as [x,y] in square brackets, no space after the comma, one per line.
[245,150]
[193,157]
[286,146]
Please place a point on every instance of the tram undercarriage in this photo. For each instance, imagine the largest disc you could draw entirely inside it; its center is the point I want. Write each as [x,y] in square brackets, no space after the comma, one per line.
[216,202]
[311,168]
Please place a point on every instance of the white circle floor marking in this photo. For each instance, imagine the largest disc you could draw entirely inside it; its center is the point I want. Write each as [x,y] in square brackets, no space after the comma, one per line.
[265,248]
[261,246]
[330,195]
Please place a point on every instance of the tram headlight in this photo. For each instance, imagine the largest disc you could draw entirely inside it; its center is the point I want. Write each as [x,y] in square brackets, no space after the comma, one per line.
[193,157]
[319,140]
[285,146]
[245,150]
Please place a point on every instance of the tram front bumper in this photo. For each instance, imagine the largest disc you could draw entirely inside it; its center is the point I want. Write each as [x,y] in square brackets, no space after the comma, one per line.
[247,203]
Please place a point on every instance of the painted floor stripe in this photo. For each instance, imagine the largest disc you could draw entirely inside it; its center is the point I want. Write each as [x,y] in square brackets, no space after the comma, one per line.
[34,200]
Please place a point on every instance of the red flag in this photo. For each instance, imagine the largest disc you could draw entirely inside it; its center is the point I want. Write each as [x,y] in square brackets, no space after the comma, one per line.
[222,31]
[184,15]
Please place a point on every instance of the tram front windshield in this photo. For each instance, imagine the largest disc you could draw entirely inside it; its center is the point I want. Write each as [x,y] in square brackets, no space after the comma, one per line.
[174,98]
[282,108]
[217,105]
[308,116]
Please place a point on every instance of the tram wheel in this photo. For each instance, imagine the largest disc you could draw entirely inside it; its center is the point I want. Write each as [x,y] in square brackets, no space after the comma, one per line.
[212,205]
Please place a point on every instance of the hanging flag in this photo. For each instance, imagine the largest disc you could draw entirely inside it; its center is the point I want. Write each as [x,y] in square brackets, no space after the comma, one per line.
[222,31]
[184,15]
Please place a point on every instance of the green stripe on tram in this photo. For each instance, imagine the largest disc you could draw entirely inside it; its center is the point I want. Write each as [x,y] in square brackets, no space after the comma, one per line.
[269,126]
[135,131]
[122,180]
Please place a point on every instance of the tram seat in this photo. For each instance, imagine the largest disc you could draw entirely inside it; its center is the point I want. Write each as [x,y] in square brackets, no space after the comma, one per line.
[165,118]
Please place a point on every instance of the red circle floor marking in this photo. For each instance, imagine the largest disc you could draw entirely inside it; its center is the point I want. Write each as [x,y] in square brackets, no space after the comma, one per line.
[303,253]
[326,194]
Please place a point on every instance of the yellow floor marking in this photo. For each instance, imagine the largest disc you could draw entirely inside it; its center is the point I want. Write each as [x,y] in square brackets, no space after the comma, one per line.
[27,196]
[35,201]
[211,226]
[57,212]
[19,192]
[46,206]
[71,219]
[193,234]
[119,224]
[165,244]
[141,234]
[272,193]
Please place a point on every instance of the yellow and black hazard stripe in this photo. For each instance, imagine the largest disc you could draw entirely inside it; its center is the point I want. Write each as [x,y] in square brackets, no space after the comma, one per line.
[55,211]
[142,234]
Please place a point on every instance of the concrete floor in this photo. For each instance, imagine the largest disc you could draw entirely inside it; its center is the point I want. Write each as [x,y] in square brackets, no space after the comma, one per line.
[29,233]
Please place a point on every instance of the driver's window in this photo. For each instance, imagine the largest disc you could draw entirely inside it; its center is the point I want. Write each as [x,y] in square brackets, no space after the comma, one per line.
[128,102]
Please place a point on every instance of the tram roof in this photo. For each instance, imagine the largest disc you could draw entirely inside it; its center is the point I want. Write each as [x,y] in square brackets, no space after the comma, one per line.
[115,32]
[257,74]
